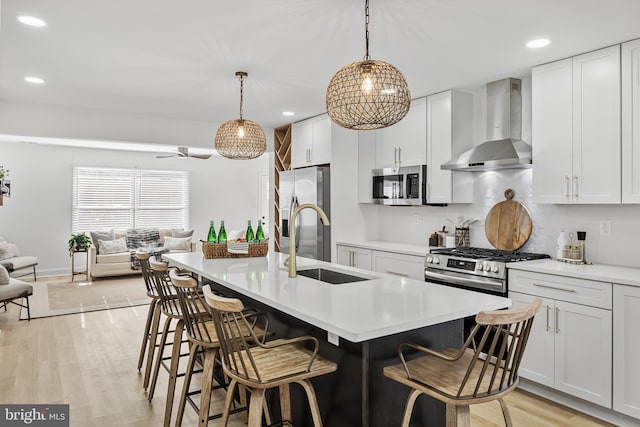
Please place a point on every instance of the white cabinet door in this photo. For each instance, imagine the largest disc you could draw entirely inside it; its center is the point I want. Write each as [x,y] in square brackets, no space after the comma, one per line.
[596,127]
[583,351]
[626,350]
[321,140]
[631,122]
[354,257]
[539,355]
[552,131]
[576,129]
[399,264]
[311,142]
[301,143]
[405,143]
[449,132]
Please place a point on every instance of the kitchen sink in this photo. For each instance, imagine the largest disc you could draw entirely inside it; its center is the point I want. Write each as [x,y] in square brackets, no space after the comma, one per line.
[330,276]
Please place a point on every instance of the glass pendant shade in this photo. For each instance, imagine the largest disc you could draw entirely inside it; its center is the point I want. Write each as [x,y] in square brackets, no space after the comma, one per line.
[240,139]
[367,95]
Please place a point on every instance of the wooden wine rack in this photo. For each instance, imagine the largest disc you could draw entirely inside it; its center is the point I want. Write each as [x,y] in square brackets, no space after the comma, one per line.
[282,162]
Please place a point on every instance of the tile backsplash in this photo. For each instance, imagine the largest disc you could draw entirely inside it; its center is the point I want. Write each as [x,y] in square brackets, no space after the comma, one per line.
[415,224]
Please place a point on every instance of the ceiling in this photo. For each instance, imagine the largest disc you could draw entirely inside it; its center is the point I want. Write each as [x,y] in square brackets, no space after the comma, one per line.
[177,59]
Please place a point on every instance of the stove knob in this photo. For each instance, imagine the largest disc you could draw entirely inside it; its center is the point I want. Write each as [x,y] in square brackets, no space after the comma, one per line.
[429,259]
[480,267]
[494,269]
[436,260]
[487,267]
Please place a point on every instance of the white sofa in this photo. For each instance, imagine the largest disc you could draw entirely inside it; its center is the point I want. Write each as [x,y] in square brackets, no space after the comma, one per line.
[119,264]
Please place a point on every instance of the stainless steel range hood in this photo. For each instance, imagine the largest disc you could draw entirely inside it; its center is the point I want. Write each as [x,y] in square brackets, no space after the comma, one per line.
[504,148]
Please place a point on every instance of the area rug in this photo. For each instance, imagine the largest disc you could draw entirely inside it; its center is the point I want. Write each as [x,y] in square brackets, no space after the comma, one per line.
[62,296]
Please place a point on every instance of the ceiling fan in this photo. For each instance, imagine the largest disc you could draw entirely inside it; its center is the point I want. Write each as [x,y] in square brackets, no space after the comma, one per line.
[183,152]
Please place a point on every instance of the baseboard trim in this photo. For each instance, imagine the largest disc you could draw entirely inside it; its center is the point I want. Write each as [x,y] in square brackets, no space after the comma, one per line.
[580,405]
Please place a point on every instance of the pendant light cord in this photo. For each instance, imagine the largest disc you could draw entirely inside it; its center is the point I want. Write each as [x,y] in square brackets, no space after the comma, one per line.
[241,88]
[366,29]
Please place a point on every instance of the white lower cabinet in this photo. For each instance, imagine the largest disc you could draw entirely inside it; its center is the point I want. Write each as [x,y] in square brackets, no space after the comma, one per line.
[354,256]
[411,266]
[570,346]
[626,350]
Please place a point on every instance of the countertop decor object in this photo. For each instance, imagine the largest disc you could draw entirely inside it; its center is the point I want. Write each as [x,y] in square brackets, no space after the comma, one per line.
[231,250]
[508,224]
[367,94]
[240,139]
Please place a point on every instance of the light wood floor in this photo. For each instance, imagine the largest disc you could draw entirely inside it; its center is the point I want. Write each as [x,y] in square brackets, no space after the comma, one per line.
[89,361]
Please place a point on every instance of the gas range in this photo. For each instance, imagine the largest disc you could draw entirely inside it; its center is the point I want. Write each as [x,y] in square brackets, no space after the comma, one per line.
[479,269]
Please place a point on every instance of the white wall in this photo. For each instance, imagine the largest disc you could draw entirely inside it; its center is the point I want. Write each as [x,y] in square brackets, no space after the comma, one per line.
[38,214]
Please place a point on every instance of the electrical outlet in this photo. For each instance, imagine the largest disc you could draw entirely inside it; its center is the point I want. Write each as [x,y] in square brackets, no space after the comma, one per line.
[333,338]
[416,219]
[605,227]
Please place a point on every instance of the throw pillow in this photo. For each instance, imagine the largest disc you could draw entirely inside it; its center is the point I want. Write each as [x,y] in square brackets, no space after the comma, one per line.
[177,243]
[5,251]
[176,232]
[4,275]
[108,247]
[13,250]
[96,236]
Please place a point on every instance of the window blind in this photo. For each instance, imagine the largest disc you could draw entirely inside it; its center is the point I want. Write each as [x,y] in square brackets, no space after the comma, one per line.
[110,198]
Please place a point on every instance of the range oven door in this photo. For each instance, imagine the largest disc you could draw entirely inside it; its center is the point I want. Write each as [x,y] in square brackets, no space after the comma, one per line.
[470,282]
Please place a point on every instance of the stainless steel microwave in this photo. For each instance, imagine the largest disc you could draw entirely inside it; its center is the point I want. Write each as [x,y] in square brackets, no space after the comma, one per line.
[403,186]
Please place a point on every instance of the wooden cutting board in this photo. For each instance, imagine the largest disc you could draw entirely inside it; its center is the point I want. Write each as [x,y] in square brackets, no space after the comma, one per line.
[508,224]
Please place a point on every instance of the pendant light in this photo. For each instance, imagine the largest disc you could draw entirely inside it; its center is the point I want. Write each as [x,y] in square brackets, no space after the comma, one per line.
[368,94]
[240,139]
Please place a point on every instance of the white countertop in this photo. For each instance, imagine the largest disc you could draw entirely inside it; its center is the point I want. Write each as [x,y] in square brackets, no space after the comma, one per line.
[358,311]
[403,248]
[598,272]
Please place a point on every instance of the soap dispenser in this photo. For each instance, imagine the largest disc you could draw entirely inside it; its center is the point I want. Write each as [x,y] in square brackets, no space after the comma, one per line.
[561,243]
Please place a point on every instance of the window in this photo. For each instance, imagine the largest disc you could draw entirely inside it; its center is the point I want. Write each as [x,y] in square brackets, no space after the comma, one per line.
[106,198]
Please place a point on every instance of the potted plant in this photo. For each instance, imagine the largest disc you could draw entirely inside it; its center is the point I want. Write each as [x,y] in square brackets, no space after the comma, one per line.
[79,242]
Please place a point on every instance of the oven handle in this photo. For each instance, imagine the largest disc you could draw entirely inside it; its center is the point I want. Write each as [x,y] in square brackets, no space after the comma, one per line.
[458,279]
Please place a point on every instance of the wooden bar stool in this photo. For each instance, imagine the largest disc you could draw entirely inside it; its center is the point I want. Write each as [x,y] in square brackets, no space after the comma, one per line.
[150,334]
[170,307]
[259,366]
[467,376]
[203,338]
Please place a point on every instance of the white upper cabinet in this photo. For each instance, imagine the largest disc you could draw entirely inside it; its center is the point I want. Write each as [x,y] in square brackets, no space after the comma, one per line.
[311,142]
[405,143]
[631,122]
[576,129]
[449,132]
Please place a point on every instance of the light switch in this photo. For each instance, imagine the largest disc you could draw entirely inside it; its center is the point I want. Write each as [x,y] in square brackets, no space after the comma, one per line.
[333,338]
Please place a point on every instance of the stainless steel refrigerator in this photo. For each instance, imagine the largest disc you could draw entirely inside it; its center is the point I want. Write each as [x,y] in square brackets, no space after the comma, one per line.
[297,187]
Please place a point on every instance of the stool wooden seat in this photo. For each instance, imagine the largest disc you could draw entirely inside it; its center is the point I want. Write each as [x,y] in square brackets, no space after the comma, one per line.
[150,334]
[259,365]
[466,376]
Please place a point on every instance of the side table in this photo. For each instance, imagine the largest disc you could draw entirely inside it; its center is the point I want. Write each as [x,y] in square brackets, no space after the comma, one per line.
[73,263]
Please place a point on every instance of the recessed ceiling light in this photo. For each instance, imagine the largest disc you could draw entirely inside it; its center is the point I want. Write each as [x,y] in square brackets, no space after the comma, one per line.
[288,113]
[35,80]
[538,43]
[32,21]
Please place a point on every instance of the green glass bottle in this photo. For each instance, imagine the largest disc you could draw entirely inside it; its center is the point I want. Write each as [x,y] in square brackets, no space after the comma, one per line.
[222,234]
[259,232]
[249,236]
[211,237]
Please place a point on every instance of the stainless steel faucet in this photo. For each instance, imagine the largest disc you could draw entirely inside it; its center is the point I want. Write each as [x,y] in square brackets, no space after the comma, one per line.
[292,233]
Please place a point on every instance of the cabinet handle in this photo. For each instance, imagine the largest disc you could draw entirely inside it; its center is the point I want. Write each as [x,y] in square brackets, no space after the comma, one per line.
[428,192]
[575,186]
[548,310]
[352,262]
[554,287]
[399,156]
[557,323]
[566,186]
[395,156]
[308,155]
[396,273]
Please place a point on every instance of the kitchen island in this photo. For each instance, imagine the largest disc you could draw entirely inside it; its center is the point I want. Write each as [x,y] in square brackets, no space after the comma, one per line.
[359,326]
